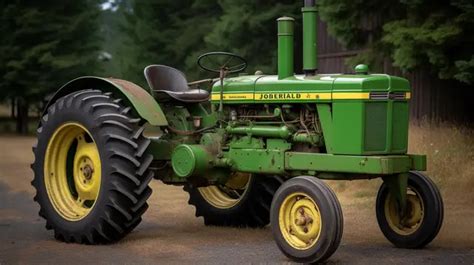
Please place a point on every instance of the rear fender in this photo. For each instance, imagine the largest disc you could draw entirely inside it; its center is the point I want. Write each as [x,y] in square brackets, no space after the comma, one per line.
[137,97]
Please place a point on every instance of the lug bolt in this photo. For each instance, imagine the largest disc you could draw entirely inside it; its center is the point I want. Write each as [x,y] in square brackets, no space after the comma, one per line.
[87,171]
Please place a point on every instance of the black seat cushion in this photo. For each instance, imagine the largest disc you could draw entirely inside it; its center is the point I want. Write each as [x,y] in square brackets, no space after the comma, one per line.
[168,82]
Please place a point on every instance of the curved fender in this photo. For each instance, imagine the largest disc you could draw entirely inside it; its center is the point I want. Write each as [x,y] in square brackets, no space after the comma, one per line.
[144,104]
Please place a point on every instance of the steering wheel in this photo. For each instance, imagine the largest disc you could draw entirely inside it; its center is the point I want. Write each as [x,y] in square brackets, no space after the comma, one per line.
[217,62]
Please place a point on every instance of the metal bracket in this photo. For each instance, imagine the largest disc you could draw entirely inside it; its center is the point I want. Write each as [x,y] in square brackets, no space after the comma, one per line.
[397,185]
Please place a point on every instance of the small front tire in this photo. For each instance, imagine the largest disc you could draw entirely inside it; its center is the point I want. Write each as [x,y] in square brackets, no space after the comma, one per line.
[423,217]
[306,220]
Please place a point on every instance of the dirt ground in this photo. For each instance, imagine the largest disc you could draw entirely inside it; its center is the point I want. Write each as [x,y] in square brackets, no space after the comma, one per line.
[170,234]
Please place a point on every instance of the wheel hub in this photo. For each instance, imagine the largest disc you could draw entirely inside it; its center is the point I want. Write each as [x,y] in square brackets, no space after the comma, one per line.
[87,171]
[409,221]
[72,171]
[414,212]
[300,221]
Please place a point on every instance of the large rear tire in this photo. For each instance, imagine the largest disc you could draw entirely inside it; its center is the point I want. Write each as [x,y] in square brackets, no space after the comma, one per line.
[91,170]
[423,217]
[238,205]
[306,220]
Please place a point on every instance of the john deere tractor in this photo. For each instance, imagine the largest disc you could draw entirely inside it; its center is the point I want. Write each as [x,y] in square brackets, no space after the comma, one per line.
[250,150]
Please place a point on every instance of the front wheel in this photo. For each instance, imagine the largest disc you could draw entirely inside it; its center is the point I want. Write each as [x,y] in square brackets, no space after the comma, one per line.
[422,219]
[306,220]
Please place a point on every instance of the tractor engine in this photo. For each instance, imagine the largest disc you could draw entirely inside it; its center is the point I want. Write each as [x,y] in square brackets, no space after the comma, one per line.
[297,123]
[251,138]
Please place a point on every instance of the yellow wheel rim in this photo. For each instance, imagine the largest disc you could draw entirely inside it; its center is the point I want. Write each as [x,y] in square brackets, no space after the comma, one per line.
[300,221]
[72,171]
[413,217]
[229,195]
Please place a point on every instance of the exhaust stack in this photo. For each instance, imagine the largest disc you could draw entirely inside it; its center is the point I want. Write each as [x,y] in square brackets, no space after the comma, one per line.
[285,47]
[310,23]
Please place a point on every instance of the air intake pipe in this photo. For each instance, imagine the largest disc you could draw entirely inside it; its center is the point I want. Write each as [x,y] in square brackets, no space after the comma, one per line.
[285,47]
[285,42]
[310,23]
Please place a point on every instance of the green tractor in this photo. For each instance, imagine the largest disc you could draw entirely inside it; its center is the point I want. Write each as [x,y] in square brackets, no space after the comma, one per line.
[250,150]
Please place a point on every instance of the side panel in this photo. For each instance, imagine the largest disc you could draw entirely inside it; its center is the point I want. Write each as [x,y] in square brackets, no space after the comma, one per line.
[391,164]
[296,89]
[139,98]
[237,90]
[374,122]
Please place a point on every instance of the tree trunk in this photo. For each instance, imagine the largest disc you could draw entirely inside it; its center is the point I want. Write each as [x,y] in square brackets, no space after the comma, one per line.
[22,116]
[12,115]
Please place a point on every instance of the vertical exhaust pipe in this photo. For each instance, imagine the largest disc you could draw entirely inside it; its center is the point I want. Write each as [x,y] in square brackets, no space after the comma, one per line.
[310,23]
[285,47]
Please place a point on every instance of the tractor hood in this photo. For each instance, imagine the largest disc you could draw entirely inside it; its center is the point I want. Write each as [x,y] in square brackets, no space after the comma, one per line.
[318,88]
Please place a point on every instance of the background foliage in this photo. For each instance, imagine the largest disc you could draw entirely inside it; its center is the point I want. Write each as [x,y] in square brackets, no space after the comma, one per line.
[45,43]
[435,34]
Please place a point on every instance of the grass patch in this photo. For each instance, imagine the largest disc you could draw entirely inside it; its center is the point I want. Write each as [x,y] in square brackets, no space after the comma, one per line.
[363,194]
[450,157]
[450,152]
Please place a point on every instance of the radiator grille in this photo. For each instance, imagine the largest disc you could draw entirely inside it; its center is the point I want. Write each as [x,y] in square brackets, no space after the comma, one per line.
[375,136]
[387,95]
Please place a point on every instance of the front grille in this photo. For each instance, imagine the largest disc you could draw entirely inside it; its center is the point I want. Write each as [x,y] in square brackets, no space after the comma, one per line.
[375,136]
[379,95]
[376,95]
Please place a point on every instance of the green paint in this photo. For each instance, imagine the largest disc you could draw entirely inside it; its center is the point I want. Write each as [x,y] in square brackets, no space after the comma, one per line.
[361,69]
[325,116]
[161,149]
[257,160]
[179,118]
[418,162]
[143,103]
[247,142]
[391,164]
[261,130]
[285,47]
[397,184]
[208,118]
[188,160]
[310,24]
[269,160]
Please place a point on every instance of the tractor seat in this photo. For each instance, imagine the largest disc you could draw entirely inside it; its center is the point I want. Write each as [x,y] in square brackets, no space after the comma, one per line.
[167,82]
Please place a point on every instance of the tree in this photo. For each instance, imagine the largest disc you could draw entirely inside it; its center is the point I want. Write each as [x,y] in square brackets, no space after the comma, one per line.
[164,32]
[437,35]
[176,33]
[44,44]
[249,29]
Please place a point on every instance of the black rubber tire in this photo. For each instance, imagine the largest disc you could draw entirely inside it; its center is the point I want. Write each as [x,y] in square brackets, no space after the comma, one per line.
[433,213]
[125,175]
[253,210]
[331,215]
